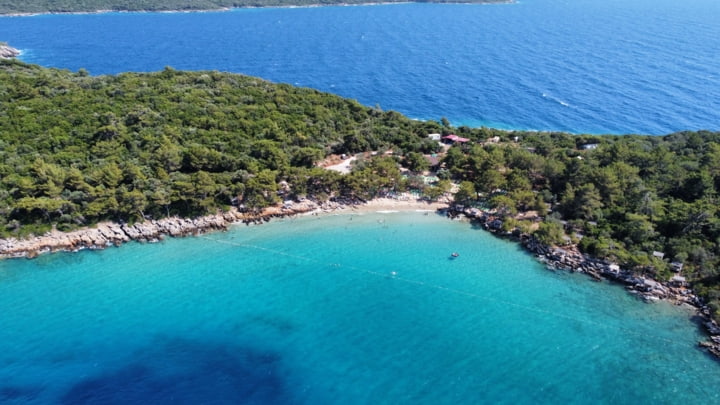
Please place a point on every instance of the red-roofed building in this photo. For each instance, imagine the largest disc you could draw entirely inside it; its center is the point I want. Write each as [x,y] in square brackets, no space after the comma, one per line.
[454,138]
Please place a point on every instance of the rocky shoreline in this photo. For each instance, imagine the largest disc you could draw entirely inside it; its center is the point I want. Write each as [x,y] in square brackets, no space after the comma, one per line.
[8,52]
[569,258]
[106,234]
[218,9]
[676,290]
[113,234]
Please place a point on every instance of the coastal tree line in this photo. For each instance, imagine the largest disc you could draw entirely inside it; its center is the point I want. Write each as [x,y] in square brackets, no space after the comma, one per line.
[68,6]
[77,149]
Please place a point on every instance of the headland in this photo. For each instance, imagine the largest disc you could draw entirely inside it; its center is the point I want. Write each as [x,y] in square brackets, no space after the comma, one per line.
[30,8]
[569,258]
[8,52]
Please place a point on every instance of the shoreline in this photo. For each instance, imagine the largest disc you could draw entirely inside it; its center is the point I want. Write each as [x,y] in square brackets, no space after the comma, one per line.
[569,258]
[107,234]
[225,9]
[8,52]
[98,12]
[387,205]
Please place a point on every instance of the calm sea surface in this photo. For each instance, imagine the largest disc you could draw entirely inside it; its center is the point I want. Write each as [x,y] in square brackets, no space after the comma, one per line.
[344,309]
[370,309]
[596,66]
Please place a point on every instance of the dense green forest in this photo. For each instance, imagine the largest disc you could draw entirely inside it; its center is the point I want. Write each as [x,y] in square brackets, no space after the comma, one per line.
[64,6]
[77,149]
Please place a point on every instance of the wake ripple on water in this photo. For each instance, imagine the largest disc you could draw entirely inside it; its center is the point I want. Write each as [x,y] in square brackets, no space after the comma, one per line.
[555,99]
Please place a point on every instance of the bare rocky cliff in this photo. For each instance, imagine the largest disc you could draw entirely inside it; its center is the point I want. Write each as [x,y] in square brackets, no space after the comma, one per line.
[8,52]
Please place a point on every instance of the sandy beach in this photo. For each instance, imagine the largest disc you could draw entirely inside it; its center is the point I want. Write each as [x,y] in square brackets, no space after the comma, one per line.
[391,205]
[109,234]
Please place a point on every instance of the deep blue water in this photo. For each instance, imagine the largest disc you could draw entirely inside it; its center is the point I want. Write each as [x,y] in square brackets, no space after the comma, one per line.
[344,309]
[584,66]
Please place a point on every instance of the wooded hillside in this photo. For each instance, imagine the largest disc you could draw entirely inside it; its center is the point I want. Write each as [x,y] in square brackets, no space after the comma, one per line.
[76,149]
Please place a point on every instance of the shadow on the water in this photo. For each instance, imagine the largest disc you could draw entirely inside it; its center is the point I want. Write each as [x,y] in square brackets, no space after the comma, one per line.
[699,322]
[477,225]
[269,321]
[14,394]
[180,371]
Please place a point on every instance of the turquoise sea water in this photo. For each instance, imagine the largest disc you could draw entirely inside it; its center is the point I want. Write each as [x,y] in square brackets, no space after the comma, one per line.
[352,309]
[597,66]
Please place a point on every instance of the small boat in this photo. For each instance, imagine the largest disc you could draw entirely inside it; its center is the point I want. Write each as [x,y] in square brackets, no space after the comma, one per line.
[455,254]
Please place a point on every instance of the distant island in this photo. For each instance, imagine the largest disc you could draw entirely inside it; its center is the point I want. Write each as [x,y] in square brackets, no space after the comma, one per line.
[11,7]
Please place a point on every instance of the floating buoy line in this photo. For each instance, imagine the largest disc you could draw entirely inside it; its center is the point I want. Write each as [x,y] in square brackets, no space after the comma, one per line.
[394,276]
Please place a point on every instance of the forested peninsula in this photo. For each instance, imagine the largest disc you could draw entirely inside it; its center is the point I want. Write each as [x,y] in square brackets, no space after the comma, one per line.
[71,6]
[77,150]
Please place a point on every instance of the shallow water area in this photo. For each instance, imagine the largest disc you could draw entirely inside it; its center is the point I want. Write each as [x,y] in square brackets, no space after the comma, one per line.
[349,308]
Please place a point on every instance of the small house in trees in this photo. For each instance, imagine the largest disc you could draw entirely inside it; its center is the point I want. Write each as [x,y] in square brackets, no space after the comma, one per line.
[452,138]
[678,281]
[676,267]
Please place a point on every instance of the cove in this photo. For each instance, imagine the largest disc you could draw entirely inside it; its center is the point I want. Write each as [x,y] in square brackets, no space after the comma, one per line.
[336,309]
